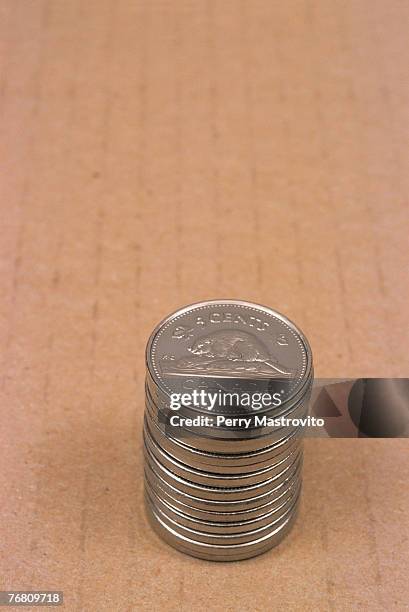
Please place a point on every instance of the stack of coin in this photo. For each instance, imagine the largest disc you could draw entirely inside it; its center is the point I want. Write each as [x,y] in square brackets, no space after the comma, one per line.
[226,382]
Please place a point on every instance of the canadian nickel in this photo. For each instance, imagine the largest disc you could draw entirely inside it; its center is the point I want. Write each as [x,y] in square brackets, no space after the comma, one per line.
[224,538]
[213,479]
[229,346]
[214,552]
[212,525]
[216,493]
[280,495]
[172,487]
[221,484]
[222,463]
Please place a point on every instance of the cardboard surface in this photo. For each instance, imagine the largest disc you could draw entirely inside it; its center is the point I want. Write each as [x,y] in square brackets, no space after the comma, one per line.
[156,154]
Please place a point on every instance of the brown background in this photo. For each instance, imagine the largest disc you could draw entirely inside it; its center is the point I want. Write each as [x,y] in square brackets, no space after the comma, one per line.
[156,153]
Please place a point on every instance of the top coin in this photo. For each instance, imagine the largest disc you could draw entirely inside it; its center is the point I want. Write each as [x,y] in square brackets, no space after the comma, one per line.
[230,347]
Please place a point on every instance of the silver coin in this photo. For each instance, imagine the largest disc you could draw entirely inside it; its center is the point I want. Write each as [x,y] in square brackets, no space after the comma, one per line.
[221,504]
[281,494]
[188,472]
[223,538]
[214,526]
[213,552]
[219,492]
[189,460]
[228,341]
[221,483]
[234,463]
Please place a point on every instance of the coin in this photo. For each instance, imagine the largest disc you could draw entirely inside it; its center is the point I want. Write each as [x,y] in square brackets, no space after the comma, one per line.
[208,477]
[223,478]
[214,552]
[228,344]
[223,463]
[212,525]
[220,492]
[220,503]
[224,538]
[281,494]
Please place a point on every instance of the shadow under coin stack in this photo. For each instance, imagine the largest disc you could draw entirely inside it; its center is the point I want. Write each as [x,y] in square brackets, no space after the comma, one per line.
[223,481]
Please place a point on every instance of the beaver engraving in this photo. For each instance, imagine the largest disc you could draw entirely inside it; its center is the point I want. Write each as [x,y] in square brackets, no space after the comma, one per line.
[232,345]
